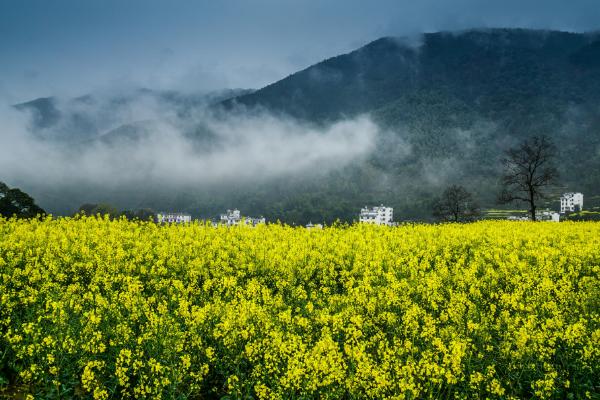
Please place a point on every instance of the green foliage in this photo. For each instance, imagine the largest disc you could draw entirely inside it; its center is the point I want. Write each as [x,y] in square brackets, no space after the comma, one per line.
[99,209]
[144,214]
[14,202]
[585,215]
[90,209]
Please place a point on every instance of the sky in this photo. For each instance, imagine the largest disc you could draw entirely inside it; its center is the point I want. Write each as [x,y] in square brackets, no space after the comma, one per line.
[75,47]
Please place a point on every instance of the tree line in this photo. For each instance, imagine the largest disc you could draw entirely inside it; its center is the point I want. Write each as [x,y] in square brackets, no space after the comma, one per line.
[16,203]
[143,214]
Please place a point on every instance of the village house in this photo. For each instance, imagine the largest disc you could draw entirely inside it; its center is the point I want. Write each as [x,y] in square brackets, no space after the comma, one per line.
[173,218]
[231,217]
[234,217]
[377,215]
[518,218]
[571,202]
[547,215]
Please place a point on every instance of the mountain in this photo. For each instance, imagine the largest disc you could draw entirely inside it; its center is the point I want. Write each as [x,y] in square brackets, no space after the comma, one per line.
[86,117]
[480,68]
[44,111]
[448,105]
[457,100]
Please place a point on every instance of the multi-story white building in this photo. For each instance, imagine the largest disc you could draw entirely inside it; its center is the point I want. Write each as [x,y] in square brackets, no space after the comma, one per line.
[173,218]
[570,202]
[231,217]
[234,217]
[377,215]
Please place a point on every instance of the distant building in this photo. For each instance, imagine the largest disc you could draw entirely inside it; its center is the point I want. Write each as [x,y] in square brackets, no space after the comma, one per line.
[231,217]
[234,217]
[255,221]
[173,218]
[518,218]
[377,215]
[547,215]
[571,202]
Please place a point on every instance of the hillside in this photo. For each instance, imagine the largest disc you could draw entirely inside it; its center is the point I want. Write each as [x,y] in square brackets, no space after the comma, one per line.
[496,71]
[457,100]
[448,104]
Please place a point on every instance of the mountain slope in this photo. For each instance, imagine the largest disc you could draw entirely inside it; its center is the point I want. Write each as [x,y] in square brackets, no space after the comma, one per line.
[457,100]
[483,68]
[448,105]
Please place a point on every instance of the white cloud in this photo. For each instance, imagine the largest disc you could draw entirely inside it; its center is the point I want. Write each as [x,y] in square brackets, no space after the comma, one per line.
[244,146]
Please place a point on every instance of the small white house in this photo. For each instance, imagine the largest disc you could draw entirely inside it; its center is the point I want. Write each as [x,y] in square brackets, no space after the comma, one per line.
[377,215]
[518,218]
[547,215]
[255,221]
[571,202]
[231,217]
[234,217]
[173,218]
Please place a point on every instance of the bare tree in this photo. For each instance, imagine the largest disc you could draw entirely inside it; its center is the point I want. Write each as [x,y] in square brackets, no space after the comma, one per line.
[456,204]
[529,170]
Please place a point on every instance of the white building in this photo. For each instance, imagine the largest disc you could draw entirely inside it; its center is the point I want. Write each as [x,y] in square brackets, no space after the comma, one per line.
[255,221]
[231,217]
[570,202]
[547,215]
[377,215]
[518,218]
[234,217]
[173,218]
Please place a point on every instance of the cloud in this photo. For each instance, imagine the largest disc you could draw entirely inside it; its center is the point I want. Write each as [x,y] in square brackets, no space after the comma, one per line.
[155,144]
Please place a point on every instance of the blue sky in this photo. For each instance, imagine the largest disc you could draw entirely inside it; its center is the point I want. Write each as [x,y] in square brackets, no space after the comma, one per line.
[73,47]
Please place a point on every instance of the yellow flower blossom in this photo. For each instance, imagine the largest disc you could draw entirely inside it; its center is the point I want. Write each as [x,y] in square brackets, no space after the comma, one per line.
[102,308]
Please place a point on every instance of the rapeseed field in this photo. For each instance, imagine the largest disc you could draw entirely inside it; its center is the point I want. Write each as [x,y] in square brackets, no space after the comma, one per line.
[94,308]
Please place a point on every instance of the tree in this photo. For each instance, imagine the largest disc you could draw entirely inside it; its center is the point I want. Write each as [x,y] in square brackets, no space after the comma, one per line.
[95,209]
[18,203]
[456,204]
[87,209]
[528,171]
[143,214]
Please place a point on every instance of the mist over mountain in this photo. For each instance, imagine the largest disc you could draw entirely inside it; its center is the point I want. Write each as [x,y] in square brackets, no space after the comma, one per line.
[148,150]
[457,100]
[392,122]
[90,116]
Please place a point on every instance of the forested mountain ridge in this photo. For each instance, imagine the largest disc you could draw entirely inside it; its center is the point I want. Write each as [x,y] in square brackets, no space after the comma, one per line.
[482,68]
[447,104]
[457,100]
